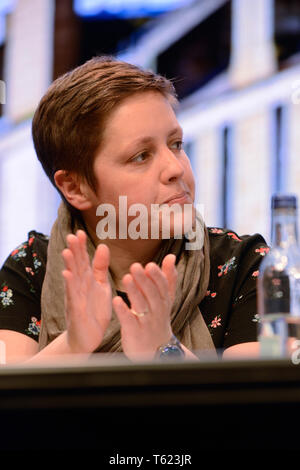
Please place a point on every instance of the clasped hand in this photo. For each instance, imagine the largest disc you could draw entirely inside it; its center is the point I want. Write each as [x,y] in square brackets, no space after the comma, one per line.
[88,300]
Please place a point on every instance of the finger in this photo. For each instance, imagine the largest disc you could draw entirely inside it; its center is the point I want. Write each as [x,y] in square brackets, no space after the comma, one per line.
[136,297]
[158,277]
[73,245]
[82,238]
[125,316]
[68,292]
[169,269]
[147,287]
[69,260]
[101,263]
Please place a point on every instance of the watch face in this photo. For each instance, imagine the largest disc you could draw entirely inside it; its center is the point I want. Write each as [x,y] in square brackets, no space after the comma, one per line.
[171,351]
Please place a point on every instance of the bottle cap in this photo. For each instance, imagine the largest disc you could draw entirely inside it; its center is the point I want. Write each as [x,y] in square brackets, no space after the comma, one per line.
[284,201]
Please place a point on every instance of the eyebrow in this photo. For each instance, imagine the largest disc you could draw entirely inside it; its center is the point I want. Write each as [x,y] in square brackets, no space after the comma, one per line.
[146,140]
[176,130]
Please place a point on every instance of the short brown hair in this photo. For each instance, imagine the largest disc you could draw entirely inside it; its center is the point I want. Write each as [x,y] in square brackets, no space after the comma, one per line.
[68,124]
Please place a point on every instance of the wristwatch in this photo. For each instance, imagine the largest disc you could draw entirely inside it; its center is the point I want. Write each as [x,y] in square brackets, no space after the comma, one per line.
[171,350]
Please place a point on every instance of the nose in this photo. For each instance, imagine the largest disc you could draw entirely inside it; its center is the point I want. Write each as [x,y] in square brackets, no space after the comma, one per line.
[171,166]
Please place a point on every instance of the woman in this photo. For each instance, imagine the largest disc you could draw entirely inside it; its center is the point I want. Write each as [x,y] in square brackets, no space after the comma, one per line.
[105,131]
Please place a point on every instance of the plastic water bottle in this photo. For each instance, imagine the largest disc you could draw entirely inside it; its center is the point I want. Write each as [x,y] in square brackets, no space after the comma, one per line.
[279,283]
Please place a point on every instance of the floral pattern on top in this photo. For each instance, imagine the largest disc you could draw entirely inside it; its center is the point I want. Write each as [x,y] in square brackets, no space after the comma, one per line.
[237,299]
[211,294]
[19,252]
[36,262]
[256,318]
[215,322]
[29,270]
[6,295]
[234,236]
[263,250]
[227,266]
[29,281]
[34,327]
[21,279]
[218,231]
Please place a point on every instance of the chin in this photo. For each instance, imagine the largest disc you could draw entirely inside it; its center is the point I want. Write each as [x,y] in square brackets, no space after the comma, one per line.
[176,224]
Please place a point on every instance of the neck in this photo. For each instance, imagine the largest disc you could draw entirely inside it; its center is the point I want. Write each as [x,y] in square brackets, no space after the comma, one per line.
[284,228]
[123,253]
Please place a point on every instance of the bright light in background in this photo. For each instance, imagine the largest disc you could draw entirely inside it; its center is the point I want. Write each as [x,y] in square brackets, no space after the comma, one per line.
[126,8]
[6,6]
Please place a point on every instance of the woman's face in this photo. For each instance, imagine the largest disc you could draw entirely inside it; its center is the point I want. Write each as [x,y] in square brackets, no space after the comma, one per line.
[141,155]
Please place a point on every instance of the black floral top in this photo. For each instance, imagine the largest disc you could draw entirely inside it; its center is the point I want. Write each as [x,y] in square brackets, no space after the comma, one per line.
[229,307]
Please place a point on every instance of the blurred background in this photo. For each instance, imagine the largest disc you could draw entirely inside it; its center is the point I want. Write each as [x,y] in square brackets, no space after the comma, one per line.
[236,67]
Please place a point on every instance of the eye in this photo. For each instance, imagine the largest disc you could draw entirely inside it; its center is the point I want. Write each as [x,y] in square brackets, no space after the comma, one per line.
[178,145]
[140,158]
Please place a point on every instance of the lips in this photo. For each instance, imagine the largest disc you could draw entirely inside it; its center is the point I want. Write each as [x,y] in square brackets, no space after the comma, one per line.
[180,197]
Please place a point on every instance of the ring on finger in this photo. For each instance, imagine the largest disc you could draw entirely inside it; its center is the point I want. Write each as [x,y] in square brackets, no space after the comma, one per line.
[139,314]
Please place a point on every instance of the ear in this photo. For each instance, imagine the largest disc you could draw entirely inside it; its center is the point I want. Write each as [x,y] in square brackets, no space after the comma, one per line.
[76,192]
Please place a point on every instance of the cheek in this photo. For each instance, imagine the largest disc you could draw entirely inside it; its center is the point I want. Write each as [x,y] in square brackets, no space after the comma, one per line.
[125,195]
[140,191]
[189,176]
